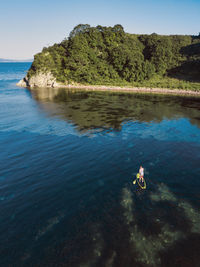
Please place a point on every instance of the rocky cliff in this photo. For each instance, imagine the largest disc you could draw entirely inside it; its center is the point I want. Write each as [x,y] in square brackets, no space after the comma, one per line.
[39,80]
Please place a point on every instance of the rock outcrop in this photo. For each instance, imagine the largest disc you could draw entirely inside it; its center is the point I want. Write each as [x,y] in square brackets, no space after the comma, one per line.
[23,82]
[41,80]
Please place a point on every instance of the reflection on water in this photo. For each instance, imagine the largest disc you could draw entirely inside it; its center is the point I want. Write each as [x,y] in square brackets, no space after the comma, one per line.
[90,110]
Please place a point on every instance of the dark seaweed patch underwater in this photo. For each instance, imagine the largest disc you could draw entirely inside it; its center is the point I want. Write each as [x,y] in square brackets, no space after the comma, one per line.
[67,163]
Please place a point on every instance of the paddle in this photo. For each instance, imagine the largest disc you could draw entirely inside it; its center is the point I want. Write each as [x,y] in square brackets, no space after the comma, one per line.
[137,176]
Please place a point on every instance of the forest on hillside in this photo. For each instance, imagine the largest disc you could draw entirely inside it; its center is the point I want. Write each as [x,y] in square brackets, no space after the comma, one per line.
[109,55]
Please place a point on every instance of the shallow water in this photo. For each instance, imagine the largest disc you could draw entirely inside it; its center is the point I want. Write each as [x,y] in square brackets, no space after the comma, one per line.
[67,162]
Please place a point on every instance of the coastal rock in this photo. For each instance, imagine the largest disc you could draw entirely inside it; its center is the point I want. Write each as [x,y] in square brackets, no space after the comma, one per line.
[23,82]
[41,80]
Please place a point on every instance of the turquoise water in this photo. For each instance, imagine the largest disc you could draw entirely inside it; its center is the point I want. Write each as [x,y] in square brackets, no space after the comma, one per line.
[67,162]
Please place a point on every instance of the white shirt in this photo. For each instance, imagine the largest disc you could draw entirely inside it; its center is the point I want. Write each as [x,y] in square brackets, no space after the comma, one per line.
[141,171]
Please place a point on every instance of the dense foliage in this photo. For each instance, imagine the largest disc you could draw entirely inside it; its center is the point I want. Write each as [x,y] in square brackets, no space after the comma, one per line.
[108,55]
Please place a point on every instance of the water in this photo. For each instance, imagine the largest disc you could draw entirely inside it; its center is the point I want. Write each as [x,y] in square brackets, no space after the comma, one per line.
[67,162]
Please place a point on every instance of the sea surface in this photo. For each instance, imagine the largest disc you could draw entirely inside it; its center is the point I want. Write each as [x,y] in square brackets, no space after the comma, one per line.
[68,160]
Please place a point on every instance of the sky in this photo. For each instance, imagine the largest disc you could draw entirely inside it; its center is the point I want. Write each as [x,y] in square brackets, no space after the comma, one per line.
[26,26]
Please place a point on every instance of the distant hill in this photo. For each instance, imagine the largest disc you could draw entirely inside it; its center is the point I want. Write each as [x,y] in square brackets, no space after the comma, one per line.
[15,60]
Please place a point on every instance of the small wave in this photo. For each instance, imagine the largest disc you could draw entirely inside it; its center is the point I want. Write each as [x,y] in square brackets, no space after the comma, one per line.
[11,76]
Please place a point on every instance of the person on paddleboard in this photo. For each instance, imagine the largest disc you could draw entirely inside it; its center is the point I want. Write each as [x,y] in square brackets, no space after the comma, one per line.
[141,172]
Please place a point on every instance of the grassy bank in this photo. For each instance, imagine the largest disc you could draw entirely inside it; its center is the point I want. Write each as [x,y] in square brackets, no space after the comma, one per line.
[157,82]
[171,83]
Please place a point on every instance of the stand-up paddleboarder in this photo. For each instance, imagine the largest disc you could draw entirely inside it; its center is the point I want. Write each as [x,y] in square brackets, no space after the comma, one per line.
[141,172]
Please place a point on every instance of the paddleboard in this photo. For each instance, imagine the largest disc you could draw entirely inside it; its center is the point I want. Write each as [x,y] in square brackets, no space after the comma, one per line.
[141,184]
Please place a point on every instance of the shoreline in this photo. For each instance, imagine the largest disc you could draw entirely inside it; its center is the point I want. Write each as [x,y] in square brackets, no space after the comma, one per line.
[107,88]
[133,89]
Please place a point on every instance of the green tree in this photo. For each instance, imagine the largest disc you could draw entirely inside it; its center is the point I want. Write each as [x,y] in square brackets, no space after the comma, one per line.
[98,55]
